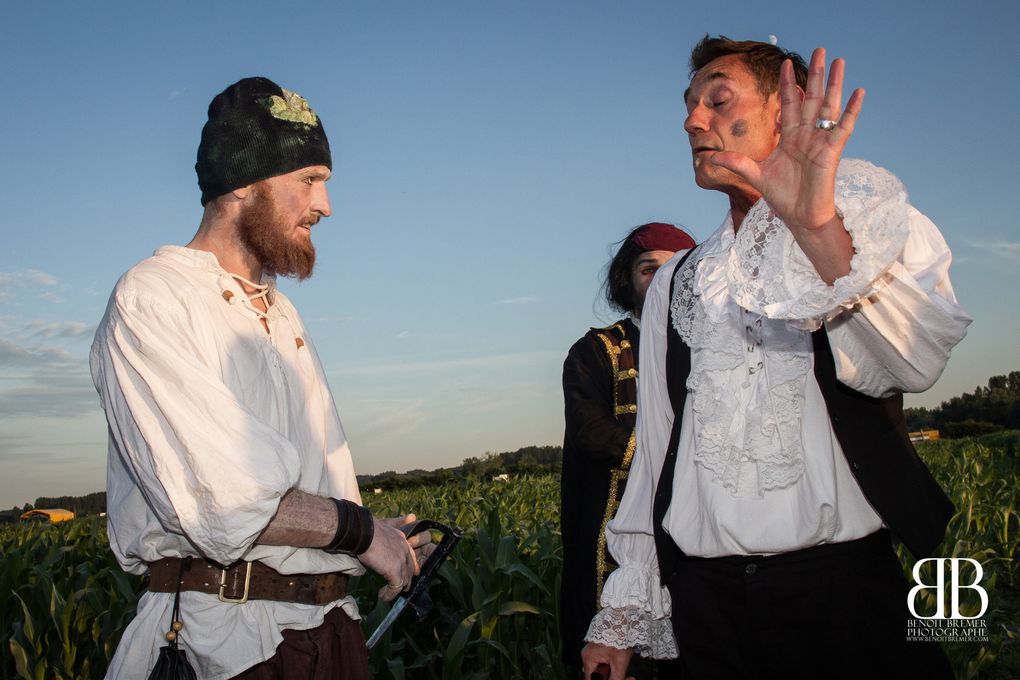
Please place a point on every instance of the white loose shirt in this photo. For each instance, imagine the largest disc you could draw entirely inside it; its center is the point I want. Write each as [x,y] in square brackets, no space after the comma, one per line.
[759,469]
[211,421]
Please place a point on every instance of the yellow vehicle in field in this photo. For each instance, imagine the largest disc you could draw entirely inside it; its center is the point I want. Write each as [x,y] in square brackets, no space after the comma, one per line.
[52,516]
[924,436]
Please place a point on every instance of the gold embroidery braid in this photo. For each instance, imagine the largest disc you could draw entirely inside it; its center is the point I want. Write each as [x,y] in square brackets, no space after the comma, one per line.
[612,350]
[620,473]
[601,568]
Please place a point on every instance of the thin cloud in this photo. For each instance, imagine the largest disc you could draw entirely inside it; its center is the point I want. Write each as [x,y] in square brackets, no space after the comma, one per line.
[378,370]
[54,360]
[1009,250]
[25,445]
[524,300]
[391,419]
[23,278]
[403,335]
[40,278]
[13,355]
[60,329]
[41,379]
[333,319]
[50,400]
[52,297]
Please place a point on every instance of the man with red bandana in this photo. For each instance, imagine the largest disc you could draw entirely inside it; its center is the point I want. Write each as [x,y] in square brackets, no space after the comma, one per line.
[600,377]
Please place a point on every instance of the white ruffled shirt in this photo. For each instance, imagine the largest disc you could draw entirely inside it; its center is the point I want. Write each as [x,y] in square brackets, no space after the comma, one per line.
[212,420]
[765,473]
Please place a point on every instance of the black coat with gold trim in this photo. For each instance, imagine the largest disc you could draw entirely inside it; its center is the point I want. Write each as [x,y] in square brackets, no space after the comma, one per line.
[600,400]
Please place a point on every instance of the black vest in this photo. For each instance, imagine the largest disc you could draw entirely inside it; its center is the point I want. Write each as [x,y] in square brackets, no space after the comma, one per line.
[872,433]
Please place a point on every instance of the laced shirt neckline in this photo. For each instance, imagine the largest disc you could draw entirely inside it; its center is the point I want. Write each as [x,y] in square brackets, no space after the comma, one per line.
[262,291]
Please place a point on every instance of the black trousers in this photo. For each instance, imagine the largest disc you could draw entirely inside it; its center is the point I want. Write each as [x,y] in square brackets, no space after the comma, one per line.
[832,611]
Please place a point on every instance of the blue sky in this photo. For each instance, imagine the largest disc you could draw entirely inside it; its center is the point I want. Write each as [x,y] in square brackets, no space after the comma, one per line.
[486,155]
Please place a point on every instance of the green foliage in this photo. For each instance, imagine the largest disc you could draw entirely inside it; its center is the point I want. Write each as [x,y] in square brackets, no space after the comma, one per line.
[496,600]
[972,414]
[969,428]
[81,506]
[530,459]
[982,477]
[64,602]
[89,504]
[527,460]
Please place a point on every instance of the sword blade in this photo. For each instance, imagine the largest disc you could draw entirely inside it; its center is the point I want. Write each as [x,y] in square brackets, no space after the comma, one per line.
[398,606]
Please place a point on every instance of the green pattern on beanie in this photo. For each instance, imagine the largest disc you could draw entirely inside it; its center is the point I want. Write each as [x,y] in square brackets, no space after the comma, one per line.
[293,107]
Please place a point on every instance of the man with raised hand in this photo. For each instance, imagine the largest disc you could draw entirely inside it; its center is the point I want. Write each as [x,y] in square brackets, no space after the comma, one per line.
[773,469]
[230,480]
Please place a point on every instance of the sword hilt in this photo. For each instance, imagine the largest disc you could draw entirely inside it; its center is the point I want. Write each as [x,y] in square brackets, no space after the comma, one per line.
[416,591]
[417,595]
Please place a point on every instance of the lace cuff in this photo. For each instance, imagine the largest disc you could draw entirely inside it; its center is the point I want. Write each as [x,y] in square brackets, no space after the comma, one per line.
[630,627]
[771,275]
[636,585]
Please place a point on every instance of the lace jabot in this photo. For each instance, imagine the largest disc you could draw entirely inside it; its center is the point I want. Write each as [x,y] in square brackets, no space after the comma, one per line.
[744,304]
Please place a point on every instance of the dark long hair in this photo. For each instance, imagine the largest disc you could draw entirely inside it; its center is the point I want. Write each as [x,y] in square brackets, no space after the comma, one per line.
[616,285]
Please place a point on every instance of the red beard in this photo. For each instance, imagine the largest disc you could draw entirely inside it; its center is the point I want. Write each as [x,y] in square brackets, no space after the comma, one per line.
[262,228]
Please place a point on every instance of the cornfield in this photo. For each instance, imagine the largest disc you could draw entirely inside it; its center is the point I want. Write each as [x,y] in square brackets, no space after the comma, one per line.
[65,602]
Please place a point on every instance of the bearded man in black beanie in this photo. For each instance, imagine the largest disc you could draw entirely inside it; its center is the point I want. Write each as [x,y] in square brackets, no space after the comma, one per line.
[229,478]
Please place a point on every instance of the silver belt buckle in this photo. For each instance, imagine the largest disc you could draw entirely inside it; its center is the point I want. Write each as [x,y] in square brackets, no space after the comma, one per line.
[223,586]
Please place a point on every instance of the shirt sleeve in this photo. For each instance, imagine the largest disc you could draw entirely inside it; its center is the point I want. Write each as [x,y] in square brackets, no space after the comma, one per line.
[899,338]
[893,319]
[341,478]
[636,605]
[591,425]
[207,467]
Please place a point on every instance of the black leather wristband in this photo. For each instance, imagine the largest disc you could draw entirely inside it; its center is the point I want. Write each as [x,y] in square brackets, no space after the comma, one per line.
[355,528]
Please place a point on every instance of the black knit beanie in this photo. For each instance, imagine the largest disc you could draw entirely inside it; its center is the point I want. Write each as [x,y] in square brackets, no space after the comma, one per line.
[256,130]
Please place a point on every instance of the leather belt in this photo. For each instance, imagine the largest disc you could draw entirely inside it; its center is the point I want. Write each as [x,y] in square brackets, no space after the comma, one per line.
[246,581]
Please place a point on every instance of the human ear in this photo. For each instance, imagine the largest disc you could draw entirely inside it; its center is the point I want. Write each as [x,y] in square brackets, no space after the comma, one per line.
[242,193]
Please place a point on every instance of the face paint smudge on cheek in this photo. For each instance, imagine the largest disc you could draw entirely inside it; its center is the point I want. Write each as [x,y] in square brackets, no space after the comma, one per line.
[739,128]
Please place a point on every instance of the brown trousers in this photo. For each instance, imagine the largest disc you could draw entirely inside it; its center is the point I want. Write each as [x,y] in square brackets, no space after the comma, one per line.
[336,649]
